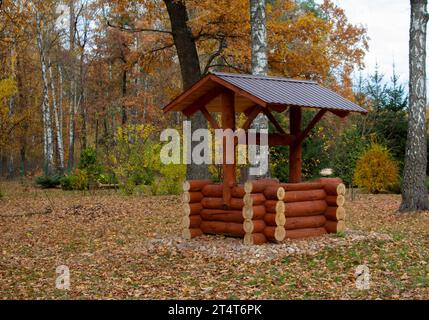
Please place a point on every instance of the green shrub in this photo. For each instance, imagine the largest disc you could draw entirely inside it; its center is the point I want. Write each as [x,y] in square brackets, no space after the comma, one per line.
[66,183]
[135,157]
[376,170]
[47,182]
[345,153]
[170,181]
[79,180]
[107,178]
[89,163]
[315,147]
[279,163]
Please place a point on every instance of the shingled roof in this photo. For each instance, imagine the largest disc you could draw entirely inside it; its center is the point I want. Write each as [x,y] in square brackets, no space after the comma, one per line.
[272,92]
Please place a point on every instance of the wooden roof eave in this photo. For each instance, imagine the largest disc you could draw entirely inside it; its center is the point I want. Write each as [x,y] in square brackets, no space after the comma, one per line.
[194,107]
[339,113]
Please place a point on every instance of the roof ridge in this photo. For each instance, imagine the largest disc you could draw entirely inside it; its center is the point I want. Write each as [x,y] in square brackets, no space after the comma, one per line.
[274,78]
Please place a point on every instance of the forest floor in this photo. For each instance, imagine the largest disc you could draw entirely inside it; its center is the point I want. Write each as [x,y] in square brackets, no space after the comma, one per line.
[128,247]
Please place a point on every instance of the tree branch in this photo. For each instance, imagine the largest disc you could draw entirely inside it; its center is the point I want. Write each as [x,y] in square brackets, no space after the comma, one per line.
[222,45]
[133,30]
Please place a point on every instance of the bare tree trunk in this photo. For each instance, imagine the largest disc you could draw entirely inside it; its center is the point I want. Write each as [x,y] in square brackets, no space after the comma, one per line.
[414,189]
[258,26]
[190,69]
[46,113]
[73,91]
[60,144]
[61,97]
[74,105]
[124,117]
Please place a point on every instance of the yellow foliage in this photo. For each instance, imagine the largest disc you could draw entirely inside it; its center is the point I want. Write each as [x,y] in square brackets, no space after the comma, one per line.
[376,170]
[7,89]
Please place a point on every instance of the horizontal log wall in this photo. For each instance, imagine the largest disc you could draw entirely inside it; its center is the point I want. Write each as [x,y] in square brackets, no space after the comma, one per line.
[264,210]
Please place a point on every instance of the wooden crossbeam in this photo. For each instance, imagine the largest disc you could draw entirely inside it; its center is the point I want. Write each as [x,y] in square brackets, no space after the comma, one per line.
[251,115]
[202,101]
[209,118]
[273,120]
[274,139]
[300,138]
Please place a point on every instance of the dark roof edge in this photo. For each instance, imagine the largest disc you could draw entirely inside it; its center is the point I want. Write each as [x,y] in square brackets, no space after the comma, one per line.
[250,76]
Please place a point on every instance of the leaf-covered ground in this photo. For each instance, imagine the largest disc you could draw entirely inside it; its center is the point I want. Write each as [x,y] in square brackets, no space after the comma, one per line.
[124,247]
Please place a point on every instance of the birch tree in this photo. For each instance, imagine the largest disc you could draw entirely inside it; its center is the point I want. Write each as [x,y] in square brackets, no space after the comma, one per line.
[258,29]
[73,86]
[57,120]
[414,189]
[46,112]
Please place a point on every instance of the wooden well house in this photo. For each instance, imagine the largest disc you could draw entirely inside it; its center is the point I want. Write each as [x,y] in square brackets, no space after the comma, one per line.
[263,210]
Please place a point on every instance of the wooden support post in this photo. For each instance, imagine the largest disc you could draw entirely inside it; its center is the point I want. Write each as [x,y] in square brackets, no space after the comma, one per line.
[295,152]
[228,122]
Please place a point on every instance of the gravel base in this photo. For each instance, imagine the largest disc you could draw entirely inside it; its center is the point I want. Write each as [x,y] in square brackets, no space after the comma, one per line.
[234,249]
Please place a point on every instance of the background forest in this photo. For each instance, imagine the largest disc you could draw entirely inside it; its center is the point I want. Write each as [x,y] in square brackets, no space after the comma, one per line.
[82,84]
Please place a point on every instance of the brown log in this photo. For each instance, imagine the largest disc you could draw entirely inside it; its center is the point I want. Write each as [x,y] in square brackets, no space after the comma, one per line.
[335,213]
[238,191]
[254,199]
[255,212]
[275,219]
[335,189]
[192,197]
[302,186]
[305,222]
[231,215]
[235,203]
[195,185]
[253,226]
[226,228]
[335,226]
[254,238]
[213,203]
[305,233]
[305,208]
[295,234]
[190,209]
[258,186]
[305,195]
[270,219]
[218,203]
[213,190]
[271,205]
[297,209]
[191,233]
[333,201]
[191,221]
[274,193]
[275,233]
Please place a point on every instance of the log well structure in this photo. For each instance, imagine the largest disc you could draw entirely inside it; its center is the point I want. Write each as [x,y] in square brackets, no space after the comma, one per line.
[263,210]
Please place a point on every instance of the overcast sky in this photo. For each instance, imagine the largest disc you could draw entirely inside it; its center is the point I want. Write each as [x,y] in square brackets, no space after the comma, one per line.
[387,22]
